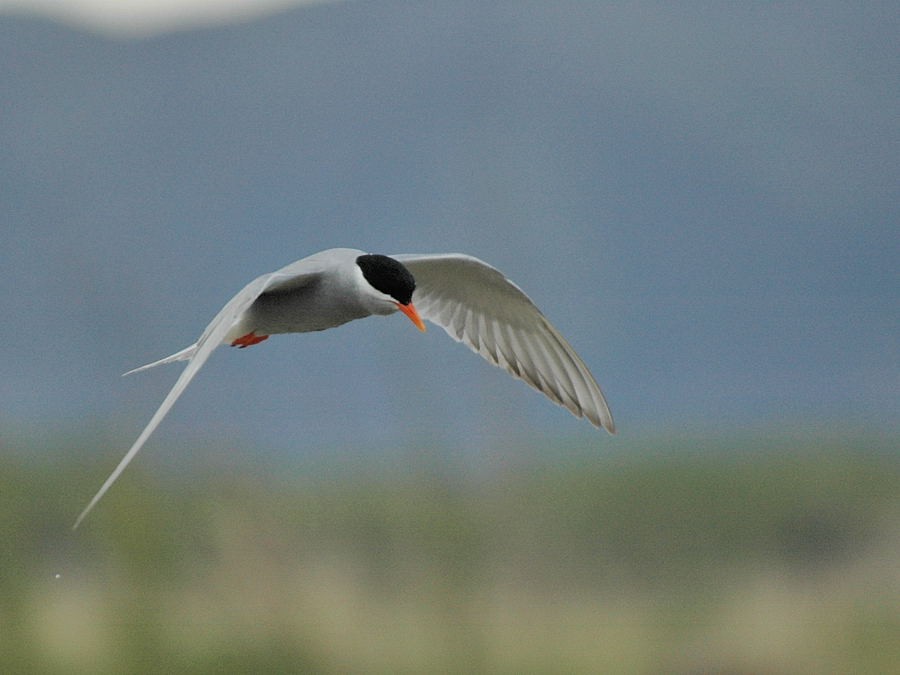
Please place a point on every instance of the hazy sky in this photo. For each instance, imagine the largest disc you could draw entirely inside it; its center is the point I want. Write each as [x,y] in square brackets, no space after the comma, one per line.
[135,17]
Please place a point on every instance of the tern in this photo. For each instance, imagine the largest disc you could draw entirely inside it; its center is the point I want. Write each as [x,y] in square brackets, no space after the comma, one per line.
[471,300]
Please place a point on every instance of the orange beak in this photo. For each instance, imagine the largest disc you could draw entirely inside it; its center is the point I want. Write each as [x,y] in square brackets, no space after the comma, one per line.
[410,311]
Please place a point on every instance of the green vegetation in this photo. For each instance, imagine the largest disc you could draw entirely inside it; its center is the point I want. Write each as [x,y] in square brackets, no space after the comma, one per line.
[751,557]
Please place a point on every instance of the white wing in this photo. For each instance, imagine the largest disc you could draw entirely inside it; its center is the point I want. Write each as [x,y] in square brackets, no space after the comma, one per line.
[210,339]
[478,306]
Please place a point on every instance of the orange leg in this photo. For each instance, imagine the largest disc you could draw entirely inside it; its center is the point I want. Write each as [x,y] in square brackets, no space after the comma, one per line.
[248,340]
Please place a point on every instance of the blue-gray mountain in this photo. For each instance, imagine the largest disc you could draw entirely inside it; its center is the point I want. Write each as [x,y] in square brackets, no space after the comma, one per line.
[704,201]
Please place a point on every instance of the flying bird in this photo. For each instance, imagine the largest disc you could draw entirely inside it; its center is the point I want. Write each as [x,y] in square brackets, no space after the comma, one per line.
[472,301]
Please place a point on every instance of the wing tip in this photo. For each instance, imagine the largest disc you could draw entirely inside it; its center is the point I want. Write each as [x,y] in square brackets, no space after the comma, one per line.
[604,422]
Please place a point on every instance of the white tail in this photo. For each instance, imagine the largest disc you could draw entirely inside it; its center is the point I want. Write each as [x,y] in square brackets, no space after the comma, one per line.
[183,355]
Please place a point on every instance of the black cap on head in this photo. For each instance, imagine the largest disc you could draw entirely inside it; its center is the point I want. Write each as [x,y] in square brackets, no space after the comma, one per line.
[388,276]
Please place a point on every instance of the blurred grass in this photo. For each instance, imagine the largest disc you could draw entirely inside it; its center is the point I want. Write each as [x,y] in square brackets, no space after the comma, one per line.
[746,557]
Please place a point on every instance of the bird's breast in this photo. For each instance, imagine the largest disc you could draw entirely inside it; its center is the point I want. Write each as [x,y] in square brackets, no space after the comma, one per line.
[299,312]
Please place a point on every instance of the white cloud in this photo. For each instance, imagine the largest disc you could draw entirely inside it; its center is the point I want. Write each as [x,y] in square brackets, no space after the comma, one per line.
[145,17]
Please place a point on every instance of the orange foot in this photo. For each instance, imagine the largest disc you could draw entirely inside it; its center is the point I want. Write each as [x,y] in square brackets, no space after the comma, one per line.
[248,340]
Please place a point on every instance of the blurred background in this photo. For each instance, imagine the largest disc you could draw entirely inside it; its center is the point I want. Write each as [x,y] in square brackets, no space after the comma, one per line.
[702,197]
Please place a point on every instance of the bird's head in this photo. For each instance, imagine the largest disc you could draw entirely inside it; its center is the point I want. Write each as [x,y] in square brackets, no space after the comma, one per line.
[391,285]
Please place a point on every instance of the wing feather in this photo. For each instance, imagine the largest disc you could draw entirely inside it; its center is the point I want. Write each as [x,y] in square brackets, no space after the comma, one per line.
[478,306]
